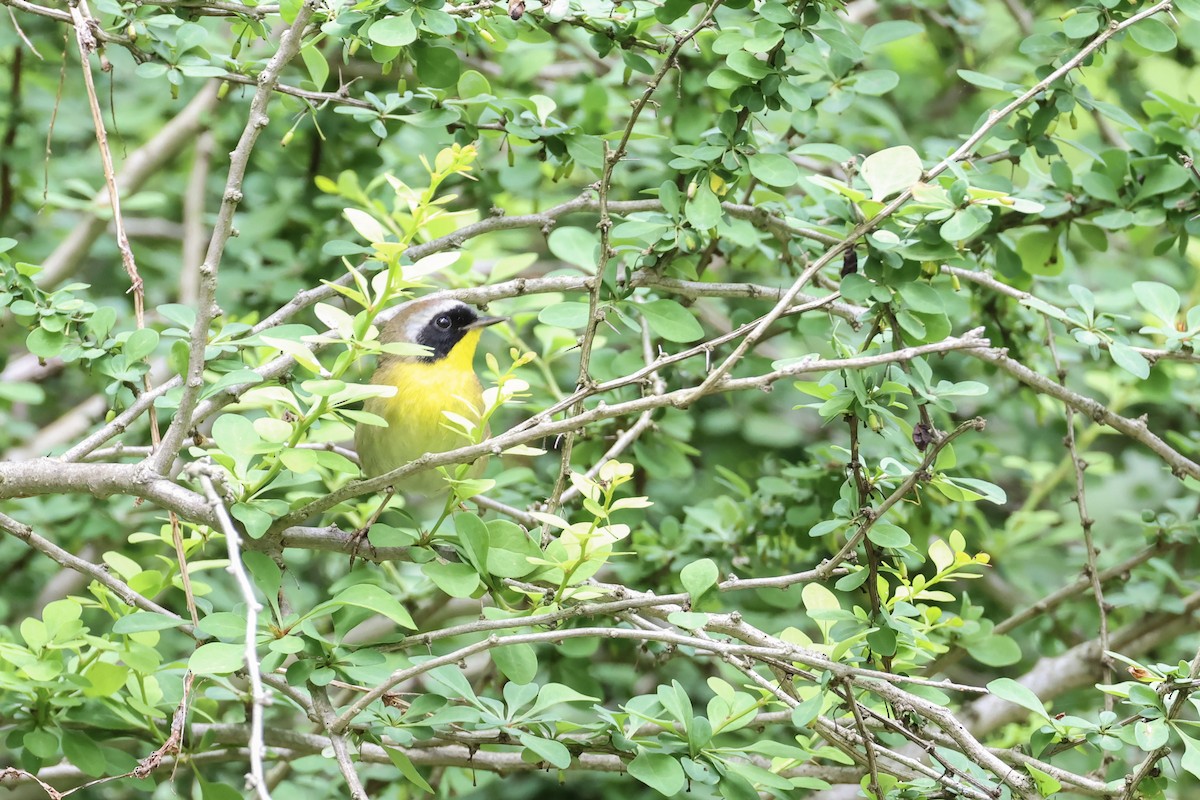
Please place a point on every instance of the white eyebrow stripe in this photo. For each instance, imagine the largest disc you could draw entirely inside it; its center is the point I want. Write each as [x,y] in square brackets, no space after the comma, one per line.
[420,319]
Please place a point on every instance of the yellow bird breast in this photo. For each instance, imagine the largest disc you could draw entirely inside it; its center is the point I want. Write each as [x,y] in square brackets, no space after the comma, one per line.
[415,422]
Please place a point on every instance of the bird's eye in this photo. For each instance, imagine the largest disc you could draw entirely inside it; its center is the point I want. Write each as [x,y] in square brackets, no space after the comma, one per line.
[442,322]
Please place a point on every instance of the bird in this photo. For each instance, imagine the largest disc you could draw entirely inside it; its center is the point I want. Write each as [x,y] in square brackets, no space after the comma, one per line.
[427,385]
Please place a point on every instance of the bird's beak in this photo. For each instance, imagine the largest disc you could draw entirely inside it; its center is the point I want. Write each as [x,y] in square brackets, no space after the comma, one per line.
[484,322]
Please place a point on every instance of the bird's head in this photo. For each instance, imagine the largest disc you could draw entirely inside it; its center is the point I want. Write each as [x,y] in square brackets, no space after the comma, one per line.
[449,328]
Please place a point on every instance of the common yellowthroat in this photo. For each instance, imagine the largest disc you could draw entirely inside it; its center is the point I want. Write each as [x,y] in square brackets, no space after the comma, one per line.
[443,380]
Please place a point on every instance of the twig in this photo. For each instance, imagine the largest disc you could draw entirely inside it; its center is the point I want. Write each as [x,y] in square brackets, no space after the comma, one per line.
[612,157]
[25,39]
[1057,598]
[341,753]
[863,490]
[97,573]
[1135,429]
[1085,520]
[643,423]
[85,40]
[703,349]
[206,309]
[1054,312]
[539,426]
[477,295]
[910,481]
[523,517]
[74,422]
[258,696]
[867,740]
[12,775]
[119,423]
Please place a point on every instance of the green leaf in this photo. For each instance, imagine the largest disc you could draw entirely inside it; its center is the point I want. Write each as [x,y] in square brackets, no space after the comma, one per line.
[659,771]
[965,223]
[572,316]
[140,344]
[82,751]
[224,625]
[808,710]
[819,602]
[456,580]
[1190,760]
[41,743]
[969,490]
[671,321]
[474,539]
[1151,734]
[875,82]
[747,65]
[555,753]
[217,658]
[891,171]
[315,63]
[105,679]
[1114,219]
[885,534]
[438,67]
[699,576]
[982,80]
[253,519]
[403,763]
[181,315]
[45,344]
[235,436]
[189,35]
[690,620]
[1129,360]
[145,621]
[298,460]
[1085,22]
[995,650]
[509,550]
[22,392]
[774,170]
[1159,299]
[703,209]
[517,662]
[575,246]
[922,298]
[372,598]
[891,30]
[1039,253]
[1017,694]
[267,574]
[551,694]
[473,84]
[1047,784]
[397,31]
[1154,34]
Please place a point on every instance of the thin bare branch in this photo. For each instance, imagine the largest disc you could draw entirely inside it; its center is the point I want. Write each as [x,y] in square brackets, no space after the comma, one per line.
[258,697]
[290,41]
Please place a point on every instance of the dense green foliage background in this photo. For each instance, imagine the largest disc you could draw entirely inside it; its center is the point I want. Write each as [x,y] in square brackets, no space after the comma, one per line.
[914,517]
